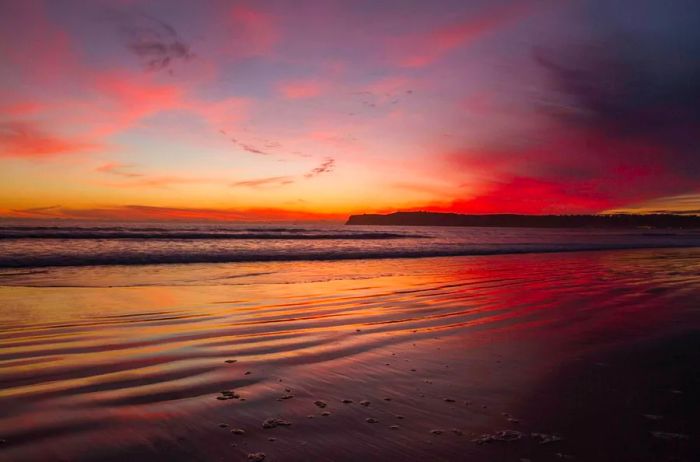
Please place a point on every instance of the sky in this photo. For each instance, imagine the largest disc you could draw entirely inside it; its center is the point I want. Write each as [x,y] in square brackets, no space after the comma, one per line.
[306,110]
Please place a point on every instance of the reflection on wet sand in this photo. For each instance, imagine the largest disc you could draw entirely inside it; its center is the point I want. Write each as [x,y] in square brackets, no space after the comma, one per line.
[430,359]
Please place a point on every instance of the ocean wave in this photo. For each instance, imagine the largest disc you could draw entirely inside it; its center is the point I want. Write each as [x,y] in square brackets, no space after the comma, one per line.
[108,259]
[176,235]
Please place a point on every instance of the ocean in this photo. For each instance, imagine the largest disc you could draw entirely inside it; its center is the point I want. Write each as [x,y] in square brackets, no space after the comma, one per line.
[182,342]
[34,245]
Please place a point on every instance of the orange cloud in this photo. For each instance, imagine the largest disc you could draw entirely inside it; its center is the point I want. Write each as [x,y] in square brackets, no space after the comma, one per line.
[270,181]
[148,213]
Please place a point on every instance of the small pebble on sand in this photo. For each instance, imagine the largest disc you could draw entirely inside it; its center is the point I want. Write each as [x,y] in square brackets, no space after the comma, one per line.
[449,400]
[503,435]
[223,425]
[545,438]
[347,401]
[247,373]
[436,432]
[256,457]
[272,440]
[371,420]
[400,417]
[238,431]
[228,394]
[320,403]
[457,431]
[230,361]
[387,399]
[364,403]
[394,427]
[275,422]
[325,414]
[669,436]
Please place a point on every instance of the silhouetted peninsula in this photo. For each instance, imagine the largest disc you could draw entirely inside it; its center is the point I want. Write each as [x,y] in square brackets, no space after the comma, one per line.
[528,221]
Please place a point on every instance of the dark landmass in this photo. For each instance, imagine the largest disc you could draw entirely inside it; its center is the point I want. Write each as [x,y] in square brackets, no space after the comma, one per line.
[527,221]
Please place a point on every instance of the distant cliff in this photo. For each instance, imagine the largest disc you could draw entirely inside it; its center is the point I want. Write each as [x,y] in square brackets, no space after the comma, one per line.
[528,221]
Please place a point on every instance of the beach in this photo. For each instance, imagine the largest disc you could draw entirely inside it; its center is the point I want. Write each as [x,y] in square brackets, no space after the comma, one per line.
[588,355]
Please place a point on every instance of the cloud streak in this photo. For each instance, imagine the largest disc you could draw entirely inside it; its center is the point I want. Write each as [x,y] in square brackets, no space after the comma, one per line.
[262,182]
[118,169]
[326,167]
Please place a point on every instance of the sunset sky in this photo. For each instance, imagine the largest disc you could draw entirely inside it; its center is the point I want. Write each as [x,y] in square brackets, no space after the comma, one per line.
[316,109]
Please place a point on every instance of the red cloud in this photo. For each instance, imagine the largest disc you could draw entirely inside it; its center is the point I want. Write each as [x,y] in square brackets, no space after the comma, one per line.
[532,195]
[568,171]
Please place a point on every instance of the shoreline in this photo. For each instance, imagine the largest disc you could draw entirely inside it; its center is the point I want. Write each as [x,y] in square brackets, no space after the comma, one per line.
[339,258]
[466,358]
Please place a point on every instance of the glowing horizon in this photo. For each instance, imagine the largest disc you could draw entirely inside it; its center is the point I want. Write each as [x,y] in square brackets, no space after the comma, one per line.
[262,110]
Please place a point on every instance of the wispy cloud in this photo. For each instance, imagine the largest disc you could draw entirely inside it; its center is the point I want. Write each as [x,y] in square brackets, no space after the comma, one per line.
[252,149]
[119,169]
[41,211]
[269,181]
[327,166]
[155,42]
[248,147]
[162,181]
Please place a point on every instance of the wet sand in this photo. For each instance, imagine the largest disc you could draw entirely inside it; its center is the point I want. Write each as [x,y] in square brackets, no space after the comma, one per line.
[581,356]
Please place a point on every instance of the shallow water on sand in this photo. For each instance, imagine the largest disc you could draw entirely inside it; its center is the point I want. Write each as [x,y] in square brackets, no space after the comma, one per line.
[114,362]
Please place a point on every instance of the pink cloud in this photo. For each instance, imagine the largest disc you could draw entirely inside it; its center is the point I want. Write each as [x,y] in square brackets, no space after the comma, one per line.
[46,52]
[301,89]
[28,140]
[118,169]
[427,48]
[253,31]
